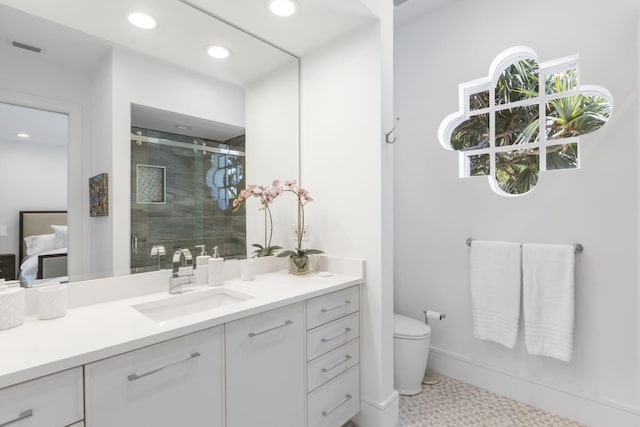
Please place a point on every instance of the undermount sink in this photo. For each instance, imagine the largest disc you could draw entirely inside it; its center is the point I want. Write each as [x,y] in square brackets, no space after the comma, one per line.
[190,303]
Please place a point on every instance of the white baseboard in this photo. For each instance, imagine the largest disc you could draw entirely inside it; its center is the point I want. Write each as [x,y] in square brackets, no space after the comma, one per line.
[590,410]
[379,414]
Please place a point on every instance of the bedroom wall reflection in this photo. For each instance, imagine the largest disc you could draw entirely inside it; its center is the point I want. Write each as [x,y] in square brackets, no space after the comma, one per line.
[33,172]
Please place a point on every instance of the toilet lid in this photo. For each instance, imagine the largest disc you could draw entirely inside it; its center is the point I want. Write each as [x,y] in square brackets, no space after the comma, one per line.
[407,327]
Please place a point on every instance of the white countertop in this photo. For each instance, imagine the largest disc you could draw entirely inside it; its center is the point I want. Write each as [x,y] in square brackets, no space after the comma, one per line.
[94,332]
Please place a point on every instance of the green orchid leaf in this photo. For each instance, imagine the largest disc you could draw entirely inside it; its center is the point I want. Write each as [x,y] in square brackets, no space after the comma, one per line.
[312,251]
[286,253]
[268,251]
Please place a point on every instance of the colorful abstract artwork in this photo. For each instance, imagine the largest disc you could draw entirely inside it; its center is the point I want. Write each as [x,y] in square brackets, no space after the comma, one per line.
[99,195]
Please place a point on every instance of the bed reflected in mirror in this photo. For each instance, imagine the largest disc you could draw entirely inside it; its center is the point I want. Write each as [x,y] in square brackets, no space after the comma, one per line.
[43,252]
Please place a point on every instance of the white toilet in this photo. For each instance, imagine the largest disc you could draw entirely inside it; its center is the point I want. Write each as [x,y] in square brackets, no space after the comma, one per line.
[410,353]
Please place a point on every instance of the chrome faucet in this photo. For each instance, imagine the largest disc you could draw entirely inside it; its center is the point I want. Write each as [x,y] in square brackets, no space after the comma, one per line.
[181,258]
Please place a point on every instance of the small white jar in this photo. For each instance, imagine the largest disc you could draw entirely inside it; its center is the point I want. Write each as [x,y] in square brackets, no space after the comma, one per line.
[52,301]
[247,269]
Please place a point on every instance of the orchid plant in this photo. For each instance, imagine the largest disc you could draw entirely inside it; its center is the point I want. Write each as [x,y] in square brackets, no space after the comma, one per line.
[299,256]
[266,195]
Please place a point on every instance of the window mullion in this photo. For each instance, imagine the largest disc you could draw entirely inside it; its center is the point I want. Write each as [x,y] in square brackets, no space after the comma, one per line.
[492,130]
[542,121]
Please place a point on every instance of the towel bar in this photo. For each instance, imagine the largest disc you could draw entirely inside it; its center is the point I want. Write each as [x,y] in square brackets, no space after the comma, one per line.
[578,248]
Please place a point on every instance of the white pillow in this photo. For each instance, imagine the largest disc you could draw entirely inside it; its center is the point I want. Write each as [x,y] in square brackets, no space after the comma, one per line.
[60,232]
[40,243]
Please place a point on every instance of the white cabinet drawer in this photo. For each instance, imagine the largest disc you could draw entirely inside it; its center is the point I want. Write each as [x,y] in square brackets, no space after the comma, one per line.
[332,335]
[329,307]
[332,364]
[266,369]
[51,401]
[174,383]
[336,402]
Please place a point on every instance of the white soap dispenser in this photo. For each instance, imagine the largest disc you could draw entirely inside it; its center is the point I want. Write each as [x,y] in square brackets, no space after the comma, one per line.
[216,269]
[202,266]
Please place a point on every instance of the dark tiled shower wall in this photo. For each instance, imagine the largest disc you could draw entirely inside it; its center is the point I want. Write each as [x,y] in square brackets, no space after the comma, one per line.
[189,217]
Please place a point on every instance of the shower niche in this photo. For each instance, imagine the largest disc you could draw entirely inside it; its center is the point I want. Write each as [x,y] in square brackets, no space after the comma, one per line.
[151,183]
[185,173]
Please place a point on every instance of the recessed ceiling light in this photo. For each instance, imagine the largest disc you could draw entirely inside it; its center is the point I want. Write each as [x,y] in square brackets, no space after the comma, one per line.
[282,7]
[22,135]
[183,127]
[218,52]
[142,20]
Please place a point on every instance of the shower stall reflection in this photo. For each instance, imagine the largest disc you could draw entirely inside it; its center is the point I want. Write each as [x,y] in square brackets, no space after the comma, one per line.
[182,189]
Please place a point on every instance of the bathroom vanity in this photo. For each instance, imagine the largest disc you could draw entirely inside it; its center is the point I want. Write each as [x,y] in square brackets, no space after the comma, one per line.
[281,350]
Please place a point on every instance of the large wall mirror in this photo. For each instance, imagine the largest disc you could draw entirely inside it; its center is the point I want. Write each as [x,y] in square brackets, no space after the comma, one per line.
[113,81]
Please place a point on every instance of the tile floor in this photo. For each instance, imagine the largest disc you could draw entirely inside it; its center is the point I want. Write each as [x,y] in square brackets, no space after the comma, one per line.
[452,403]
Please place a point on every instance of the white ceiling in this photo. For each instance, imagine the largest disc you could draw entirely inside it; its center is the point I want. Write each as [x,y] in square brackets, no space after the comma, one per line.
[72,49]
[153,118]
[43,127]
[181,36]
[183,31]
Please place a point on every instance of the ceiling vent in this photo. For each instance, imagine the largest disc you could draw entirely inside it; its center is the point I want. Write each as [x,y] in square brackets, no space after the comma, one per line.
[399,2]
[26,47]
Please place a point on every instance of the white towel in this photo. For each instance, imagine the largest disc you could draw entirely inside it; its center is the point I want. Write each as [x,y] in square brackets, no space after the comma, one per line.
[495,291]
[548,285]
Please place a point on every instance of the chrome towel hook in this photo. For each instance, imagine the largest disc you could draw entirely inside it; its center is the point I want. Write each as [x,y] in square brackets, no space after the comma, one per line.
[387,137]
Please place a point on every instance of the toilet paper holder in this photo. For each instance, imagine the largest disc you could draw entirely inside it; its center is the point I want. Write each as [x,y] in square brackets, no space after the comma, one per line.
[433,315]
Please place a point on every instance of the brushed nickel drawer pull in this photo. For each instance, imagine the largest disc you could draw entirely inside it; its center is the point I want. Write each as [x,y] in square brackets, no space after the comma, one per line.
[335,307]
[134,377]
[287,323]
[327,412]
[327,339]
[24,414]
[335,365]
